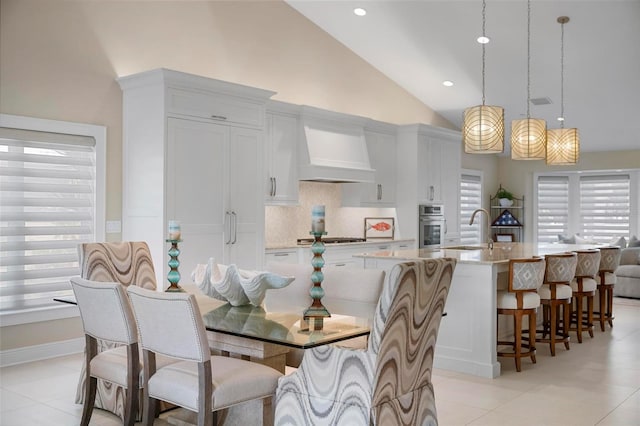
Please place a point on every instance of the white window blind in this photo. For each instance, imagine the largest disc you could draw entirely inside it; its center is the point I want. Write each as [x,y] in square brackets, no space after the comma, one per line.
[470,200]
[553,207]
[605,207]
[47,207]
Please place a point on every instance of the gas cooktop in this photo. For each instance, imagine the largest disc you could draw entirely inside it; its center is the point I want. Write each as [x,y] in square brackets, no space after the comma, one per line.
[332,240]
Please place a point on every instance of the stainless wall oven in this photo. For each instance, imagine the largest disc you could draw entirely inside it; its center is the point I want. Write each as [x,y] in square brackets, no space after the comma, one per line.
[432,225]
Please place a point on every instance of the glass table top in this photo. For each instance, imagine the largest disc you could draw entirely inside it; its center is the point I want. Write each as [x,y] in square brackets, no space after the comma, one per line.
[284,328]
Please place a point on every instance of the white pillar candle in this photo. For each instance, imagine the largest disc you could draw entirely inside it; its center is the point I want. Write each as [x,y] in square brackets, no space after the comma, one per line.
[317,219]
[174,230]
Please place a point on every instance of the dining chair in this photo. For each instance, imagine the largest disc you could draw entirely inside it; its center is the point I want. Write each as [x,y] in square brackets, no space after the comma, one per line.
[390,381]
[170,324]
[606,280]
[521,298]
[106,314]
[128,263]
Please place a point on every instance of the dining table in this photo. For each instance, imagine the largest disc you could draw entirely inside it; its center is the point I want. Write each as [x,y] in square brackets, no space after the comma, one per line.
[265,333]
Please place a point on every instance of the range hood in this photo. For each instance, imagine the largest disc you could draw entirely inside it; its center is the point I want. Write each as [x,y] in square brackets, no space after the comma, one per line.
[333,151]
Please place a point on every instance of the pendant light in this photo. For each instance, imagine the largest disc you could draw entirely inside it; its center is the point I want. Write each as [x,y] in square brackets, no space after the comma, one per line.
[483,125]
[528,136]
[563,145]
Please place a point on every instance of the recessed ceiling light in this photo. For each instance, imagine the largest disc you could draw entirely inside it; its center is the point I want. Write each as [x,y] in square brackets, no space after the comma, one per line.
[560,118]
[447,83]
[359,11]
[483,39]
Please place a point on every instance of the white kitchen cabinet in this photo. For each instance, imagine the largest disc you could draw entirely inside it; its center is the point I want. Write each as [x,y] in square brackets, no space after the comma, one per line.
[281,154]
[193,152]
[381,145]
[429,162]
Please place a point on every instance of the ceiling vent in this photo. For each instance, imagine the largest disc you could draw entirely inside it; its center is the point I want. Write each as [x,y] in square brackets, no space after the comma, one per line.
[541,101]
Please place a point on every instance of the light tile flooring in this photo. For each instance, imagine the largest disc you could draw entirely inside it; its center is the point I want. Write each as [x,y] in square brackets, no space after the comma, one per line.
[595,383]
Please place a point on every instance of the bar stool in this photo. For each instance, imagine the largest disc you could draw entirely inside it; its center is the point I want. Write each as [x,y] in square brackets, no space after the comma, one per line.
[556,293]
[606,280]
[521,298]
[584,286]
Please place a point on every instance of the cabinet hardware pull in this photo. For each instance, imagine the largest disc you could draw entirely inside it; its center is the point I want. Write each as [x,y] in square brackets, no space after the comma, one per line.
[383,247]
[431,192]
[235,227]
[446,228]
[340,264]
[275,186]
[228,220]
[379,191]
[218,117]
[271,193]
[281,254]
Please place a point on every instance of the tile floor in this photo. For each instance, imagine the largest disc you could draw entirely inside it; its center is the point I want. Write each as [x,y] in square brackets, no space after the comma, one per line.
[595,383]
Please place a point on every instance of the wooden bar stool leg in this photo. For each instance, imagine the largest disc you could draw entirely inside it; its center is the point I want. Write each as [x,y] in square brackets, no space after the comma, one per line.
[579,317]
[532,329]
[566,313]
[590,315]
[517,331]
[552,327]
[602,292]
[610,305]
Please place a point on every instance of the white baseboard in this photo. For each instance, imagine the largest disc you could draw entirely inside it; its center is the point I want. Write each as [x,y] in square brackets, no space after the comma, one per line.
[39,352]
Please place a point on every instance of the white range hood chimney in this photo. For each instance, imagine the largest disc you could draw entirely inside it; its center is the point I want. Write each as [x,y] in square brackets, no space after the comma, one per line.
[334,149]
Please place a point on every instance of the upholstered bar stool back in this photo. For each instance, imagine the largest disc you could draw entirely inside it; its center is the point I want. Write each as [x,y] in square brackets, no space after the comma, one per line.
[521,298]
[606,280]
[555,294]
[583,287]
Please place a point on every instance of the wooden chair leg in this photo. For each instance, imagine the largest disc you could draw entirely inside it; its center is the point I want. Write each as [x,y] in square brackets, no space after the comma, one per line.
[552,328]
[566,313]
[532,329]
[602,292]
[590,315]
[610,305]
[89,400]
[517,331]
[579,317]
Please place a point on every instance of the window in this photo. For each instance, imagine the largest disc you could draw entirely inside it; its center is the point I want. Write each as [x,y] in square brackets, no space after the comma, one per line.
[51,199]
[553,207]
[596,206]
[470,200]
[604,207]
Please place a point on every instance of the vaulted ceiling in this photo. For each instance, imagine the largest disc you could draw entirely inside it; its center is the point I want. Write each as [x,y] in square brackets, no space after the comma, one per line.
[421,43]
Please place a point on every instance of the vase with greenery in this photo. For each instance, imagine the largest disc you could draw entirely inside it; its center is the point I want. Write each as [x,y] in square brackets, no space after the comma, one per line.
[505,197]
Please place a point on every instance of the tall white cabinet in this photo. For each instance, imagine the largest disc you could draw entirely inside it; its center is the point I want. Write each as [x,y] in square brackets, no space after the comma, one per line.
[193,152]
[429,161]
[283,134]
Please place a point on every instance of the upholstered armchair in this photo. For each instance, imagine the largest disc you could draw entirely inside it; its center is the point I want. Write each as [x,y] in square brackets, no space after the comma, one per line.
[389,382]
[127,263]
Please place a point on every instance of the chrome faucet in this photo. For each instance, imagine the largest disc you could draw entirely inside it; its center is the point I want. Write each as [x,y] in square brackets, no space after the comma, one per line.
[473,216]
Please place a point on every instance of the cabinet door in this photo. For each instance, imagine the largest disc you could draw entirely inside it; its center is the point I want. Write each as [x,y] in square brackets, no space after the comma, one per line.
[196,194]
[281,159]
[246,208]
[450,186]
[382,156]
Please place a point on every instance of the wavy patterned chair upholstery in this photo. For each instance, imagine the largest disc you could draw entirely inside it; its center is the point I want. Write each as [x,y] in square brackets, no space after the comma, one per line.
[390,382]
[127,263]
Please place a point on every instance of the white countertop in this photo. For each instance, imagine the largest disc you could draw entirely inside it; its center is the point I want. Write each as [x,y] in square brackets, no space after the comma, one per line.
[363,244]
[501,252]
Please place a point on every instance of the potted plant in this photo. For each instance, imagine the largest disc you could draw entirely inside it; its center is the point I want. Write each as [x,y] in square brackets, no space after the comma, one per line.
[505,197]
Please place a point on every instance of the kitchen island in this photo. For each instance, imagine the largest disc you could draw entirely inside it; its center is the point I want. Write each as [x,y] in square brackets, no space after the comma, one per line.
[467,336]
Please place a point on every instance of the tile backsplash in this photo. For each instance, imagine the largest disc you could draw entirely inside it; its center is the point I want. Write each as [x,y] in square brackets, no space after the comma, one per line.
[285,224]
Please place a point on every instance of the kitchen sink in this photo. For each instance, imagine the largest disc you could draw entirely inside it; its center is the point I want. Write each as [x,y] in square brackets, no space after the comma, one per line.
[464,248]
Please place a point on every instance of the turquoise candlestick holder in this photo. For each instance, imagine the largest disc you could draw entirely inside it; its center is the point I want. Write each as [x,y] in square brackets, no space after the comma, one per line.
[174,275]
[317,311]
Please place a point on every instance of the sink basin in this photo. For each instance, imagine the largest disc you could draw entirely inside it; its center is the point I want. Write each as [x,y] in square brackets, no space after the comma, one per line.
[464,248]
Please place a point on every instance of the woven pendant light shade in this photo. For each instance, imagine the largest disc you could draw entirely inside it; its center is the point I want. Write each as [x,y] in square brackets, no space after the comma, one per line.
[563,146]
[528,139]
[483,129]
